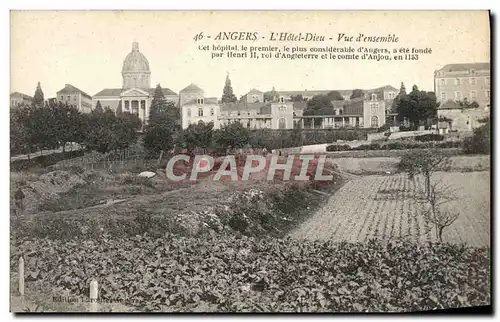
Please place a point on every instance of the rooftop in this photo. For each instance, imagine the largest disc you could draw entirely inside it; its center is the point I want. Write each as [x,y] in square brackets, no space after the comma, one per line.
[117,91]
[24,96]
[70,89]
[465,67]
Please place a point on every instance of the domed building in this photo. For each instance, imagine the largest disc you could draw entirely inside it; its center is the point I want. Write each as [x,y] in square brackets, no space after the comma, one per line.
[136,93]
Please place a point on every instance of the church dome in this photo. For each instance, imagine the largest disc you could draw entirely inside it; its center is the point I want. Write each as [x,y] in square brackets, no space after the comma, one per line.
[135,62]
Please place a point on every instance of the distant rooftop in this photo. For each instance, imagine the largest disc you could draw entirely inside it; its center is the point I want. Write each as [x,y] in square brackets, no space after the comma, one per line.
[465,67]
[117,91]
[70,89]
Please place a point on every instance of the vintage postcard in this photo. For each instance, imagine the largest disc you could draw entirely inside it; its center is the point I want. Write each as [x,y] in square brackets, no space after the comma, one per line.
[250,161]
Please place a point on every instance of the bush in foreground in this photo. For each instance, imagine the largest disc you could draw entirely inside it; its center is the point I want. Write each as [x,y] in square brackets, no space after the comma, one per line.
[271,275]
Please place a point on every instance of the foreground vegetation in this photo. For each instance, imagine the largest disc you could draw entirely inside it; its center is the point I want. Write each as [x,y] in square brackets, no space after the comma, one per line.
[233,274]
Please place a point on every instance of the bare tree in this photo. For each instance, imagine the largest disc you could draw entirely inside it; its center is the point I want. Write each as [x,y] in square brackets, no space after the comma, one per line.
[424,162]
[434,212]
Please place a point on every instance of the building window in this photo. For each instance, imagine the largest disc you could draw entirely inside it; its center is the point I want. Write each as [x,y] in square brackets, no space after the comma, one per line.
[458,96]
[69,98]
[340,112]
[357,121]
[391,95]
[374,97]
[212,111]
[472,71]
[473,95]
[200,112]
[487,94]
[473,81]
[457,81]
[443,96]
[200,101]
[282,99]
[74,98]
[374,121]
[189,112]
[62,98]
[282,123]
[374,106]
[283,108]
[443,81]
[126,105]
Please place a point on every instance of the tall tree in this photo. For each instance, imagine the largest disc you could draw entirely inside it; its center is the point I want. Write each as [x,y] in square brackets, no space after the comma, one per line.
[157,104]
[297,98]
[271,95]
[400,103]
[38,98]
[227,93]
[318,105]
[233,135]
[98,105]
[357,93]
[335,96]
[119,109]
[198,135]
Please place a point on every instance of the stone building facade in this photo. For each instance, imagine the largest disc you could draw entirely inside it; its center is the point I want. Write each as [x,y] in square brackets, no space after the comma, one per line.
[453,84]
[18,99]
[456,82]
[252,112]
[76,97]
[136,94]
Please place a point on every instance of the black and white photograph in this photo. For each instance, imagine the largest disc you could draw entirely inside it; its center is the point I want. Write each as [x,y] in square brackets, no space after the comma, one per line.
[211,161]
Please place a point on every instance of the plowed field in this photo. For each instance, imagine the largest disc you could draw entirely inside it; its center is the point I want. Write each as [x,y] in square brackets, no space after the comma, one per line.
[385,207]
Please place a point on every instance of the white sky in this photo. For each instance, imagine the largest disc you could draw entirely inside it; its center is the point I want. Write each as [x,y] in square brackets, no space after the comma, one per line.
[87,48]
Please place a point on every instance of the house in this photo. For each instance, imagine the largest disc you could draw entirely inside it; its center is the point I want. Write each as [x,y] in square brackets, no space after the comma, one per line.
[73,96]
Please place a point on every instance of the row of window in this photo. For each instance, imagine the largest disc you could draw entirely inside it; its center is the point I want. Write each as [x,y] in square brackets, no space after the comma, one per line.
[200,112]
[68,98]
[458,95]
[459,81]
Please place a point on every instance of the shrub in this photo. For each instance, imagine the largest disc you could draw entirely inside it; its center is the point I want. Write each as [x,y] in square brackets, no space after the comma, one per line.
[429,137]
[480,142]
[335,147]
[395,146]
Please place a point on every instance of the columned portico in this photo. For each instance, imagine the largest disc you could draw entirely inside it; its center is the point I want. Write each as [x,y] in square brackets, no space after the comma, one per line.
[136,101]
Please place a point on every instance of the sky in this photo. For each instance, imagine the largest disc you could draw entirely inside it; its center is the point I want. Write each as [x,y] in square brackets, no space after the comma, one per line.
[87,48]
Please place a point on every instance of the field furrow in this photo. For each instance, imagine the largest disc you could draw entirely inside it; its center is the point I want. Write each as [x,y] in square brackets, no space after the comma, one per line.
[386,207]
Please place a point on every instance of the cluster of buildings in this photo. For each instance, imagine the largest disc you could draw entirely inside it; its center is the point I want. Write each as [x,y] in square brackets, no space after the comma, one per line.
[453,83]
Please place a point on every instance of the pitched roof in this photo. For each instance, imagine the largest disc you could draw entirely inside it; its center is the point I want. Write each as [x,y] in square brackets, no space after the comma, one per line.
[166,91]
[449,104]
[24,96]
[261,108]
[117,91]
[255,91]
[70,89]
[191,88]
[465,67]
[343,92]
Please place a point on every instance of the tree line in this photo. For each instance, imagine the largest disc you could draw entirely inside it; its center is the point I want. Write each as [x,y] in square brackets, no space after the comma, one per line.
[51,125]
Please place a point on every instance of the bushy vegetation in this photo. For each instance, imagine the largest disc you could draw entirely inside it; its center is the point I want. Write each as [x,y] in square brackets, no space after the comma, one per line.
[480,142]
[397,145]
[53,125]
[241,274]
[429,137]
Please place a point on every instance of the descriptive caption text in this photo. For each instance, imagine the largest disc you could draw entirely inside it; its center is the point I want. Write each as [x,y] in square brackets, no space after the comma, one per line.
[307,46]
